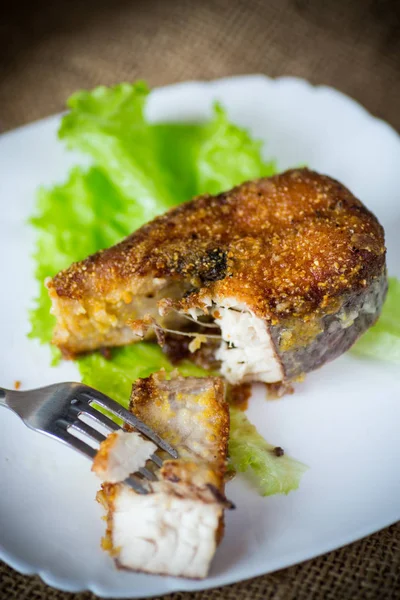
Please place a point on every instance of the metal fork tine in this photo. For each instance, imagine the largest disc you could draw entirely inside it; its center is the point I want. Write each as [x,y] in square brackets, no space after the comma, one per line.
[85,408]
[71,440]
[157,460]
[121,412]
[79,425]
[135,485]
[147,474]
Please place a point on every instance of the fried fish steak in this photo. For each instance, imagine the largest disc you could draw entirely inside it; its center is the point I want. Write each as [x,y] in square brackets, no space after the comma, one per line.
[290,268]
[175,528]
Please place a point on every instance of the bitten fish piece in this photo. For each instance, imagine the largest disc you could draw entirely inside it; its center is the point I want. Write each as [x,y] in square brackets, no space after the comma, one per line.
[291,269]
[175,528]
[121,454]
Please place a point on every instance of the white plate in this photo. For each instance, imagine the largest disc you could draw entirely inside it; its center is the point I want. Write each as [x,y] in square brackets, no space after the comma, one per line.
[343,421]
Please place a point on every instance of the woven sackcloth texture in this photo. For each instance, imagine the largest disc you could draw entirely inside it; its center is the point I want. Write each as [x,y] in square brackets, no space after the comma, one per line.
[50,48]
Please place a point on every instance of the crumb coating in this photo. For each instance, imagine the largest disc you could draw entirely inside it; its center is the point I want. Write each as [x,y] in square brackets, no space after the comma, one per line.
[284,245]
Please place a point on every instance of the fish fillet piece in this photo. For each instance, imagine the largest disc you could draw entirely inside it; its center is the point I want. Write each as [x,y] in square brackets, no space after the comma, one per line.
[175,528]
[290,268]
[121,454]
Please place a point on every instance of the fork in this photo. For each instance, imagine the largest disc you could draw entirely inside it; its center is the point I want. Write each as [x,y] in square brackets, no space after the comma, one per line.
[55,410]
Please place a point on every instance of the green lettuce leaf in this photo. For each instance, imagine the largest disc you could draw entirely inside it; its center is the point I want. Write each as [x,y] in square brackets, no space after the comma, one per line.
[251,454]
[227,156]
[177,146]
[382,341]
[109,125]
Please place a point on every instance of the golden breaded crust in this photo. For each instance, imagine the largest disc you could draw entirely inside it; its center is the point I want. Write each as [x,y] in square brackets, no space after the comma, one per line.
[157,401]
[283,245]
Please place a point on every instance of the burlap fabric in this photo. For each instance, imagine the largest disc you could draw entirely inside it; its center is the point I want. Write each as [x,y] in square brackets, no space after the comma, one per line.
[48,49]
